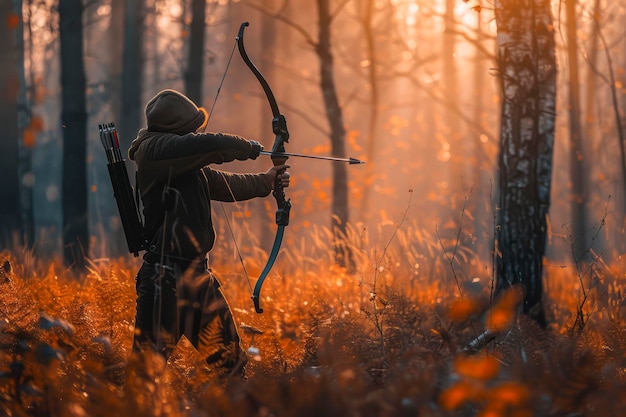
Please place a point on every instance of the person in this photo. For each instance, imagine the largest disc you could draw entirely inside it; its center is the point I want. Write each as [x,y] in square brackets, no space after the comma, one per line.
[177,294]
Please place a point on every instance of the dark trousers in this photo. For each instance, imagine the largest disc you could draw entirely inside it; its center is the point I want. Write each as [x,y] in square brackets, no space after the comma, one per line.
[175,300]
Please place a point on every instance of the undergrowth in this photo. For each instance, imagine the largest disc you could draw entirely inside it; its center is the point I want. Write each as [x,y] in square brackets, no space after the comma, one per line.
[393,339]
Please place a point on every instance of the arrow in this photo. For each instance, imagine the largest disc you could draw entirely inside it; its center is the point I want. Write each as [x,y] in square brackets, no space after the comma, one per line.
[351,161]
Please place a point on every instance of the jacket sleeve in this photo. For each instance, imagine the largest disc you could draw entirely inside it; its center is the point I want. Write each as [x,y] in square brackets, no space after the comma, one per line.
[171,155]
[226,186]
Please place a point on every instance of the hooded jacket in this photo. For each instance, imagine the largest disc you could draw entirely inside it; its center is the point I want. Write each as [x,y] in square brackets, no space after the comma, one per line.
[175,181]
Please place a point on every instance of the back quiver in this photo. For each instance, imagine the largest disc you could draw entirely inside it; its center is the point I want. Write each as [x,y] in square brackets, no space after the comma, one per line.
[122,190]
[129,214]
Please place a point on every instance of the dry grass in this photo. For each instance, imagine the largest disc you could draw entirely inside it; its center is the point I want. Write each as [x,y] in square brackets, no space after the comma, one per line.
[386,341]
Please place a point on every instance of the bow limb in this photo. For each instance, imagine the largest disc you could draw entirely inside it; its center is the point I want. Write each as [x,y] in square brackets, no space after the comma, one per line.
[279,127]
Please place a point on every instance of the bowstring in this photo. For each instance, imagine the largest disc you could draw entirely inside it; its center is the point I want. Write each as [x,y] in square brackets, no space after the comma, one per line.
[219,87]
[230,229]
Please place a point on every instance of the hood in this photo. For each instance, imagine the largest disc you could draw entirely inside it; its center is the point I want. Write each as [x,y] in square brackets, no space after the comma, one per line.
[172,112]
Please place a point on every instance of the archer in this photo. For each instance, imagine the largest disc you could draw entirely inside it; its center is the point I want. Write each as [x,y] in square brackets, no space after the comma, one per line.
[177,294]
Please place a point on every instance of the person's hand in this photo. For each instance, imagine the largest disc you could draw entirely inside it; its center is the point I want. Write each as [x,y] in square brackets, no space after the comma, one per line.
[256,149]
[279,172]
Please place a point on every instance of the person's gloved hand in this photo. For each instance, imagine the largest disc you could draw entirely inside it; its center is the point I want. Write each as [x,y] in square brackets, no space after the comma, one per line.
[256,149]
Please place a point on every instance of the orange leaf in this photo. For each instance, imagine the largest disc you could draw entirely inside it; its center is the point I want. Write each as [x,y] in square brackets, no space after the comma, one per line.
[13,21]
[501,316]
[510,393]
[461,309]
[29,138]
[458,394]
[36,123]
[484,367]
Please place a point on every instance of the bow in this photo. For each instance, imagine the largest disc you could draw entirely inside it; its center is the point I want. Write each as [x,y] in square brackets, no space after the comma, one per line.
[279,157]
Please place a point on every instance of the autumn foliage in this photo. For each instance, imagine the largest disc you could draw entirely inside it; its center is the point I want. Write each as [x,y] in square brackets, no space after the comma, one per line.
[384,341]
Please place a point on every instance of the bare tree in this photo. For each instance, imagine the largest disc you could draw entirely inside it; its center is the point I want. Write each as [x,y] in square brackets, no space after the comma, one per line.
[526,59]
[337,134]
[10,218]
[577,156]
[334,116]
[590,91]
[132,70]
[27,129]
[374,92]
[115,53]
[74,123]
[195,58]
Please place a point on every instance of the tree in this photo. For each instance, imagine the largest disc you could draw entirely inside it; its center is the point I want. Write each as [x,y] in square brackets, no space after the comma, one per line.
[10,219]
[334,117]
[527,66]
[130,118]
[337,134]
[28,126]
[577,160]
[195,59]
[74,123]
[367,21]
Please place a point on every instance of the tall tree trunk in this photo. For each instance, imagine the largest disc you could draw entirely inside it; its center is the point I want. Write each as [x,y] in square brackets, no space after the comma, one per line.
[456,163]
[74,123]
[115,41]
[478,157]
[577,161]
[10,218]
[527,65]
[132,71]
[27,134]
[339,220]
[590,120]
[195,59]
[370,153]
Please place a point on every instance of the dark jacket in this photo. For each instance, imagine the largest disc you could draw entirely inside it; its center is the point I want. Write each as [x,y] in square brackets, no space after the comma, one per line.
[177,187]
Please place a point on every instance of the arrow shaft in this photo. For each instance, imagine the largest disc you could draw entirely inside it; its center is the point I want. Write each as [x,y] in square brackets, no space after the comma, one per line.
[325,158]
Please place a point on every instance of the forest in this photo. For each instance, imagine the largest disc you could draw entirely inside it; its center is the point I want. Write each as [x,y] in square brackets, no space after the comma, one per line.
[472,265]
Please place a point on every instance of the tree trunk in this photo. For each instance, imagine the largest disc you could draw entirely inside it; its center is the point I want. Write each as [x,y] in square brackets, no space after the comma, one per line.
[480,203]
[577,161]
[26,175]
[74,123]
[526,58]
[457,163]
[132,71]
[115,41]
[590,120]
[370,153]
[10,219]
[339,220]
[195,59]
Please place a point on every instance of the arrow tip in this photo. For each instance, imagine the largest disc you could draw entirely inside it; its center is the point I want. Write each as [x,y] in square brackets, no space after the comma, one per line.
[354,161]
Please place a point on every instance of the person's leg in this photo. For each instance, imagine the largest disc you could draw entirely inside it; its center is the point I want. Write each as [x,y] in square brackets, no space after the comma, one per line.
[208,323]
[144,285]
[156,323]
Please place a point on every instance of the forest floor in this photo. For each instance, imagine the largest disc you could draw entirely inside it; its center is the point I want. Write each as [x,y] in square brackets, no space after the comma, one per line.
[330,343]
